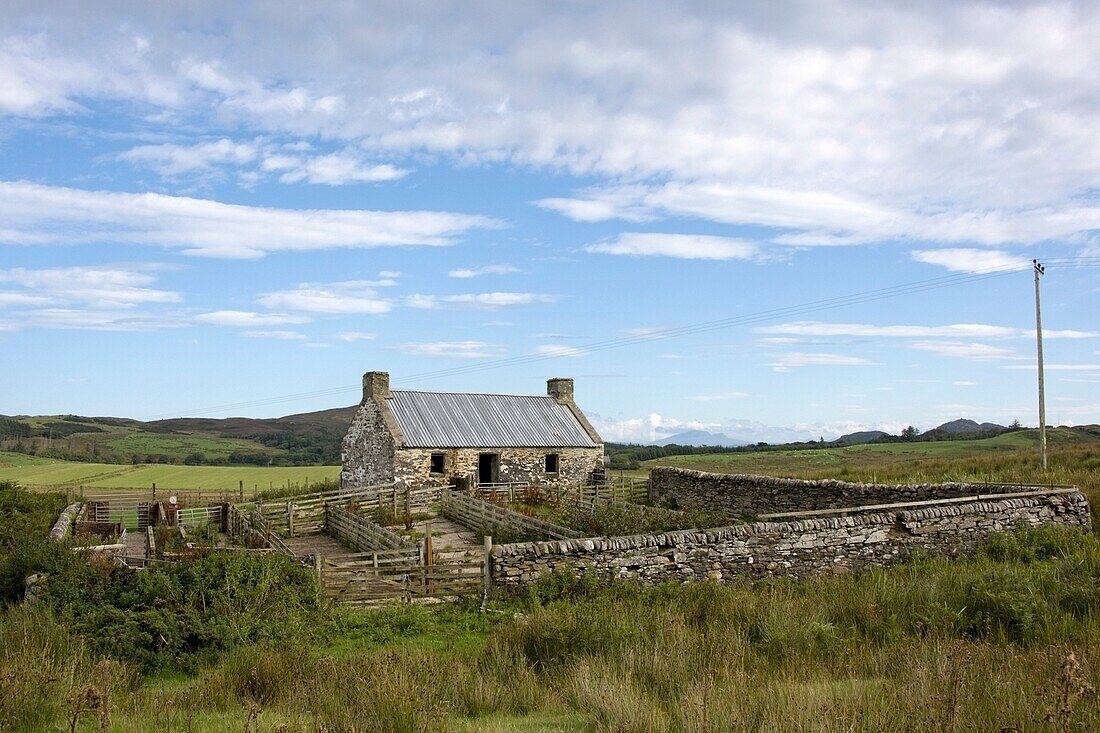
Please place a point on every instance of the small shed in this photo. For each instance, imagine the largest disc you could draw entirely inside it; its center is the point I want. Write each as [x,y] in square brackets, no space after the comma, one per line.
[420,438]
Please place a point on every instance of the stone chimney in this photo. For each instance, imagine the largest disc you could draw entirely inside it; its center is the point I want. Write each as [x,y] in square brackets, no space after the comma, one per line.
[561,389]
[376,385]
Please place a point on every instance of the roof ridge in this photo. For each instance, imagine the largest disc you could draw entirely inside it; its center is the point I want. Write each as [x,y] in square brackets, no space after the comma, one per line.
[479,394]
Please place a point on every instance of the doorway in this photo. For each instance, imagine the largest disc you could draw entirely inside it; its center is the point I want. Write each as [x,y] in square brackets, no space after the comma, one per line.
[488,468]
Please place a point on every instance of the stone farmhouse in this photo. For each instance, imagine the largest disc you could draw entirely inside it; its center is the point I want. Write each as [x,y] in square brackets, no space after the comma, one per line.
[437,438]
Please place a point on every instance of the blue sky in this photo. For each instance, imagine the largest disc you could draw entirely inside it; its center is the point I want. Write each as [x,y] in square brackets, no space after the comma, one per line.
[237,209]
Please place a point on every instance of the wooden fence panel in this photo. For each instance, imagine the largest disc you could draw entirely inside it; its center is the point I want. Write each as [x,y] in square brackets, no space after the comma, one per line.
[306,513]
[477,513]
[359,585]
[197,516]
[360,532]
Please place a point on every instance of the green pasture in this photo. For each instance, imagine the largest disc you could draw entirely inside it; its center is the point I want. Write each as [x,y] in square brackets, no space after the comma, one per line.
[1074,458]
[181,446]
[45,472]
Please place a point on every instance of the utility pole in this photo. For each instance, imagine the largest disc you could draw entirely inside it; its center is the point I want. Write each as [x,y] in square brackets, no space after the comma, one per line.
[1039,270]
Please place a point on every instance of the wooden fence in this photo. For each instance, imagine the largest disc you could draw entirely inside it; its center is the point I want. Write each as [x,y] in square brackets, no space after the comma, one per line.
[261,527]
[635,491]
[305,514]
[363,534]
[357,583]
[199,515]
[238,526]
[131,515]
[491,518]
[184,497]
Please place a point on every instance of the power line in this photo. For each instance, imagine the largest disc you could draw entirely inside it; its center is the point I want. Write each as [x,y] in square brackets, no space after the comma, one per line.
[801,309]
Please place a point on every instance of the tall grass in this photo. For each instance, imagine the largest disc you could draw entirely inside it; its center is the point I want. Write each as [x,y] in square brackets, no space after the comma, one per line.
[1008,639]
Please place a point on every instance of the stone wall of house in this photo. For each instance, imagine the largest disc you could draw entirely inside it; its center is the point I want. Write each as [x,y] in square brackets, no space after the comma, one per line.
[741,495]
[368,449]
[799,548]
[412,465]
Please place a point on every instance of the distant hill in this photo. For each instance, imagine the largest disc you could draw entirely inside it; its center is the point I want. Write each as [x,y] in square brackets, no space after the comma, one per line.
[864,436]
[303,439]
[963,426]
[700,437]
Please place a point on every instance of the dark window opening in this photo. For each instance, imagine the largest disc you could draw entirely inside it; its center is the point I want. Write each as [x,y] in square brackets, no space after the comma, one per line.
[437,463]
[551,462]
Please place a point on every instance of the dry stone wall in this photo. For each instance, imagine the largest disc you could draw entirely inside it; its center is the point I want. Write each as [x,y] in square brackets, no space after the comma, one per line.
[741,495]
[799,548]
[368,449]
[412,465]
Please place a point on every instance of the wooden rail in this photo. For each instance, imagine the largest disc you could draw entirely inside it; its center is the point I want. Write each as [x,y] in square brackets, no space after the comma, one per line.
[305,514]
[477,514]
[197,516]
[358,585]
[262,528]
[360,532]
[238,526]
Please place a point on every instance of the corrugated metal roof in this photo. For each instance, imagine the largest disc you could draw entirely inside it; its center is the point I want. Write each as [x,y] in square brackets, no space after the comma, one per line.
[463,420]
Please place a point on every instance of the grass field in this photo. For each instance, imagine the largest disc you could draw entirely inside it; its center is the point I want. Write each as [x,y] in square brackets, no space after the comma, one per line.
[1073,458]
[35,472]
[1004,641]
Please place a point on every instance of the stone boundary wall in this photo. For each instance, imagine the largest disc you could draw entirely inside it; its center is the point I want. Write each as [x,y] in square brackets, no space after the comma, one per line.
[740,495]
[63,527]
[800,548]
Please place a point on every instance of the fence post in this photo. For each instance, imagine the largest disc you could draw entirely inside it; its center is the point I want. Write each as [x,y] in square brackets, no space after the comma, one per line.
[290,518]
[240,489]
[428,552]
[487,560]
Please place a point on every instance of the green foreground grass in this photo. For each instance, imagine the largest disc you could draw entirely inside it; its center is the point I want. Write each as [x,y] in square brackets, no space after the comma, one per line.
[1006,640]
[33,471]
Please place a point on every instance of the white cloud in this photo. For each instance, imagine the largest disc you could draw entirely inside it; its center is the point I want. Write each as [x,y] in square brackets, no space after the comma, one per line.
[356,336]
[719,396]
[389,274]
[23,299]
[960,122]
[971,351]
[794,359]
[172,160]
[108,297]
[964,383]
[95,287]
[343,297]
[280,335]
[451,349]
[955,330]
[468,272]
[480,301]
[683,246]
[248,318]
[559,350]
[334,169]
[971,260]
[646,429]
[36,214]
[97,319]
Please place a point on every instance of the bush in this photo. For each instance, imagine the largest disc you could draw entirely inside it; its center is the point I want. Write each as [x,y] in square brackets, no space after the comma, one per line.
[179,615]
